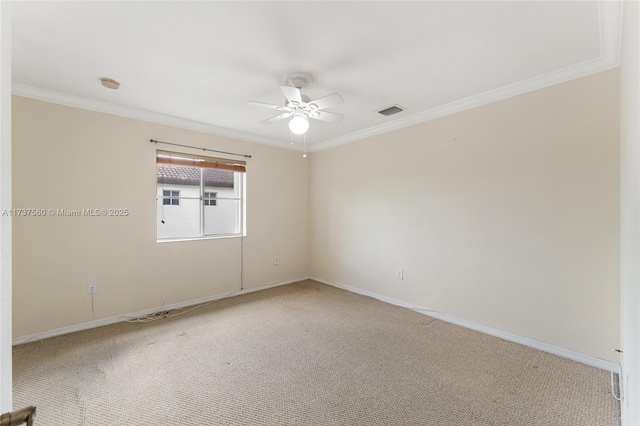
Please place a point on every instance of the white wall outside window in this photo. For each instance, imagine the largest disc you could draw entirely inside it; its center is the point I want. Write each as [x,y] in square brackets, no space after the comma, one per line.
[183,220]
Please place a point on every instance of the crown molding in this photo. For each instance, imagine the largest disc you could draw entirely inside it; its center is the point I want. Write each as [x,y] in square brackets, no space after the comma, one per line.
[610,16]
[540,82]
[138,114]
[610,23]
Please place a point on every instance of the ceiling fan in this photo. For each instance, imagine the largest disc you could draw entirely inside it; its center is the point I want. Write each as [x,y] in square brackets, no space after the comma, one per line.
[300,107]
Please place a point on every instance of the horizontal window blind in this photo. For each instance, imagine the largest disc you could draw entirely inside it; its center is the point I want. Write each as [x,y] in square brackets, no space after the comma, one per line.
[189,160]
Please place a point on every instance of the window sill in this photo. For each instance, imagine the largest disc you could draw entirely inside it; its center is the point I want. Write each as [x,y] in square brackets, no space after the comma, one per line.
[207,237]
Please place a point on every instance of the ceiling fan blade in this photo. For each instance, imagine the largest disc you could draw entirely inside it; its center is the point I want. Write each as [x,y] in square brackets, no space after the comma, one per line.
[327,101]
[331,117]
[262,104]
[277,117]
[292,94]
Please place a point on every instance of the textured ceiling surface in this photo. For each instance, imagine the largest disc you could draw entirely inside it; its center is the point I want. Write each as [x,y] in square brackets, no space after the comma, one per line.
[204,61]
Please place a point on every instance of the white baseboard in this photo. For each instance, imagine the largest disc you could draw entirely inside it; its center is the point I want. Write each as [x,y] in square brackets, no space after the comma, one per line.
[121,318]
[532,343]
[536,344]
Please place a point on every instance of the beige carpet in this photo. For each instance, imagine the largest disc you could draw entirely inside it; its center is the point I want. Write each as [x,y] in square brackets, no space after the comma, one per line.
[303,354]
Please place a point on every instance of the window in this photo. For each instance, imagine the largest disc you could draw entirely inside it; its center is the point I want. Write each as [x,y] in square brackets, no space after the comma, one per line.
[189,186]
[170,198]
[210,198]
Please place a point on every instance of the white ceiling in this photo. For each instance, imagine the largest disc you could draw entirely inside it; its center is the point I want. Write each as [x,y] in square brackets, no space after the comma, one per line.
[198,64]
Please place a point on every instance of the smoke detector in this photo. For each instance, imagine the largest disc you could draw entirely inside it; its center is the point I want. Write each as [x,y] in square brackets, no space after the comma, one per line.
[109,83]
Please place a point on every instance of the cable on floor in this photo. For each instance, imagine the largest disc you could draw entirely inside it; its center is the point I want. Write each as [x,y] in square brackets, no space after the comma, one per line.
[167,313]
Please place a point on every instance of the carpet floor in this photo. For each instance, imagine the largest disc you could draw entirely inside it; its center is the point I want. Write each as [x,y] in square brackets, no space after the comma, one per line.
[302,354]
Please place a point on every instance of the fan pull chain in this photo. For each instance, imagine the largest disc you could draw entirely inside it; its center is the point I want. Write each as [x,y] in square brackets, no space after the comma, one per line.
[304,139]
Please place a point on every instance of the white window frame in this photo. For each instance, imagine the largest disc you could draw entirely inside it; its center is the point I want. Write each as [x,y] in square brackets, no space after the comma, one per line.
[240,181]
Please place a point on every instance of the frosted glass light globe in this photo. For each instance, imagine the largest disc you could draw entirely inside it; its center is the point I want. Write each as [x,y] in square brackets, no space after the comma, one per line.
[299,124]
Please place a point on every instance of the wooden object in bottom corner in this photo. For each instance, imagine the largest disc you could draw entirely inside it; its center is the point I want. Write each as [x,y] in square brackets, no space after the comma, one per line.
[23,416]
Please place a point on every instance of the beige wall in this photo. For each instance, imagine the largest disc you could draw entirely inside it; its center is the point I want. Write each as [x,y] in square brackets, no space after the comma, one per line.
[506,215]
[70,158]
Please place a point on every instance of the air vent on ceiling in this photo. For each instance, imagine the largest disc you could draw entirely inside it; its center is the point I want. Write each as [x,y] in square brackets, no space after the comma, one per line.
[393,109]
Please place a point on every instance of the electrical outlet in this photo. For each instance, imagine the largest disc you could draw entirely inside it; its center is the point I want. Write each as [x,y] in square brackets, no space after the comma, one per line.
[400,274]
[92,288]
[276,261]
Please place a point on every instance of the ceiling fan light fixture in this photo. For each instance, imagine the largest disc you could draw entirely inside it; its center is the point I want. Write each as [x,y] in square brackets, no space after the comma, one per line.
[299,124]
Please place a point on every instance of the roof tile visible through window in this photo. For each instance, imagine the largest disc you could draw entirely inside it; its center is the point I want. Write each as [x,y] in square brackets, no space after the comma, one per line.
[181,175]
